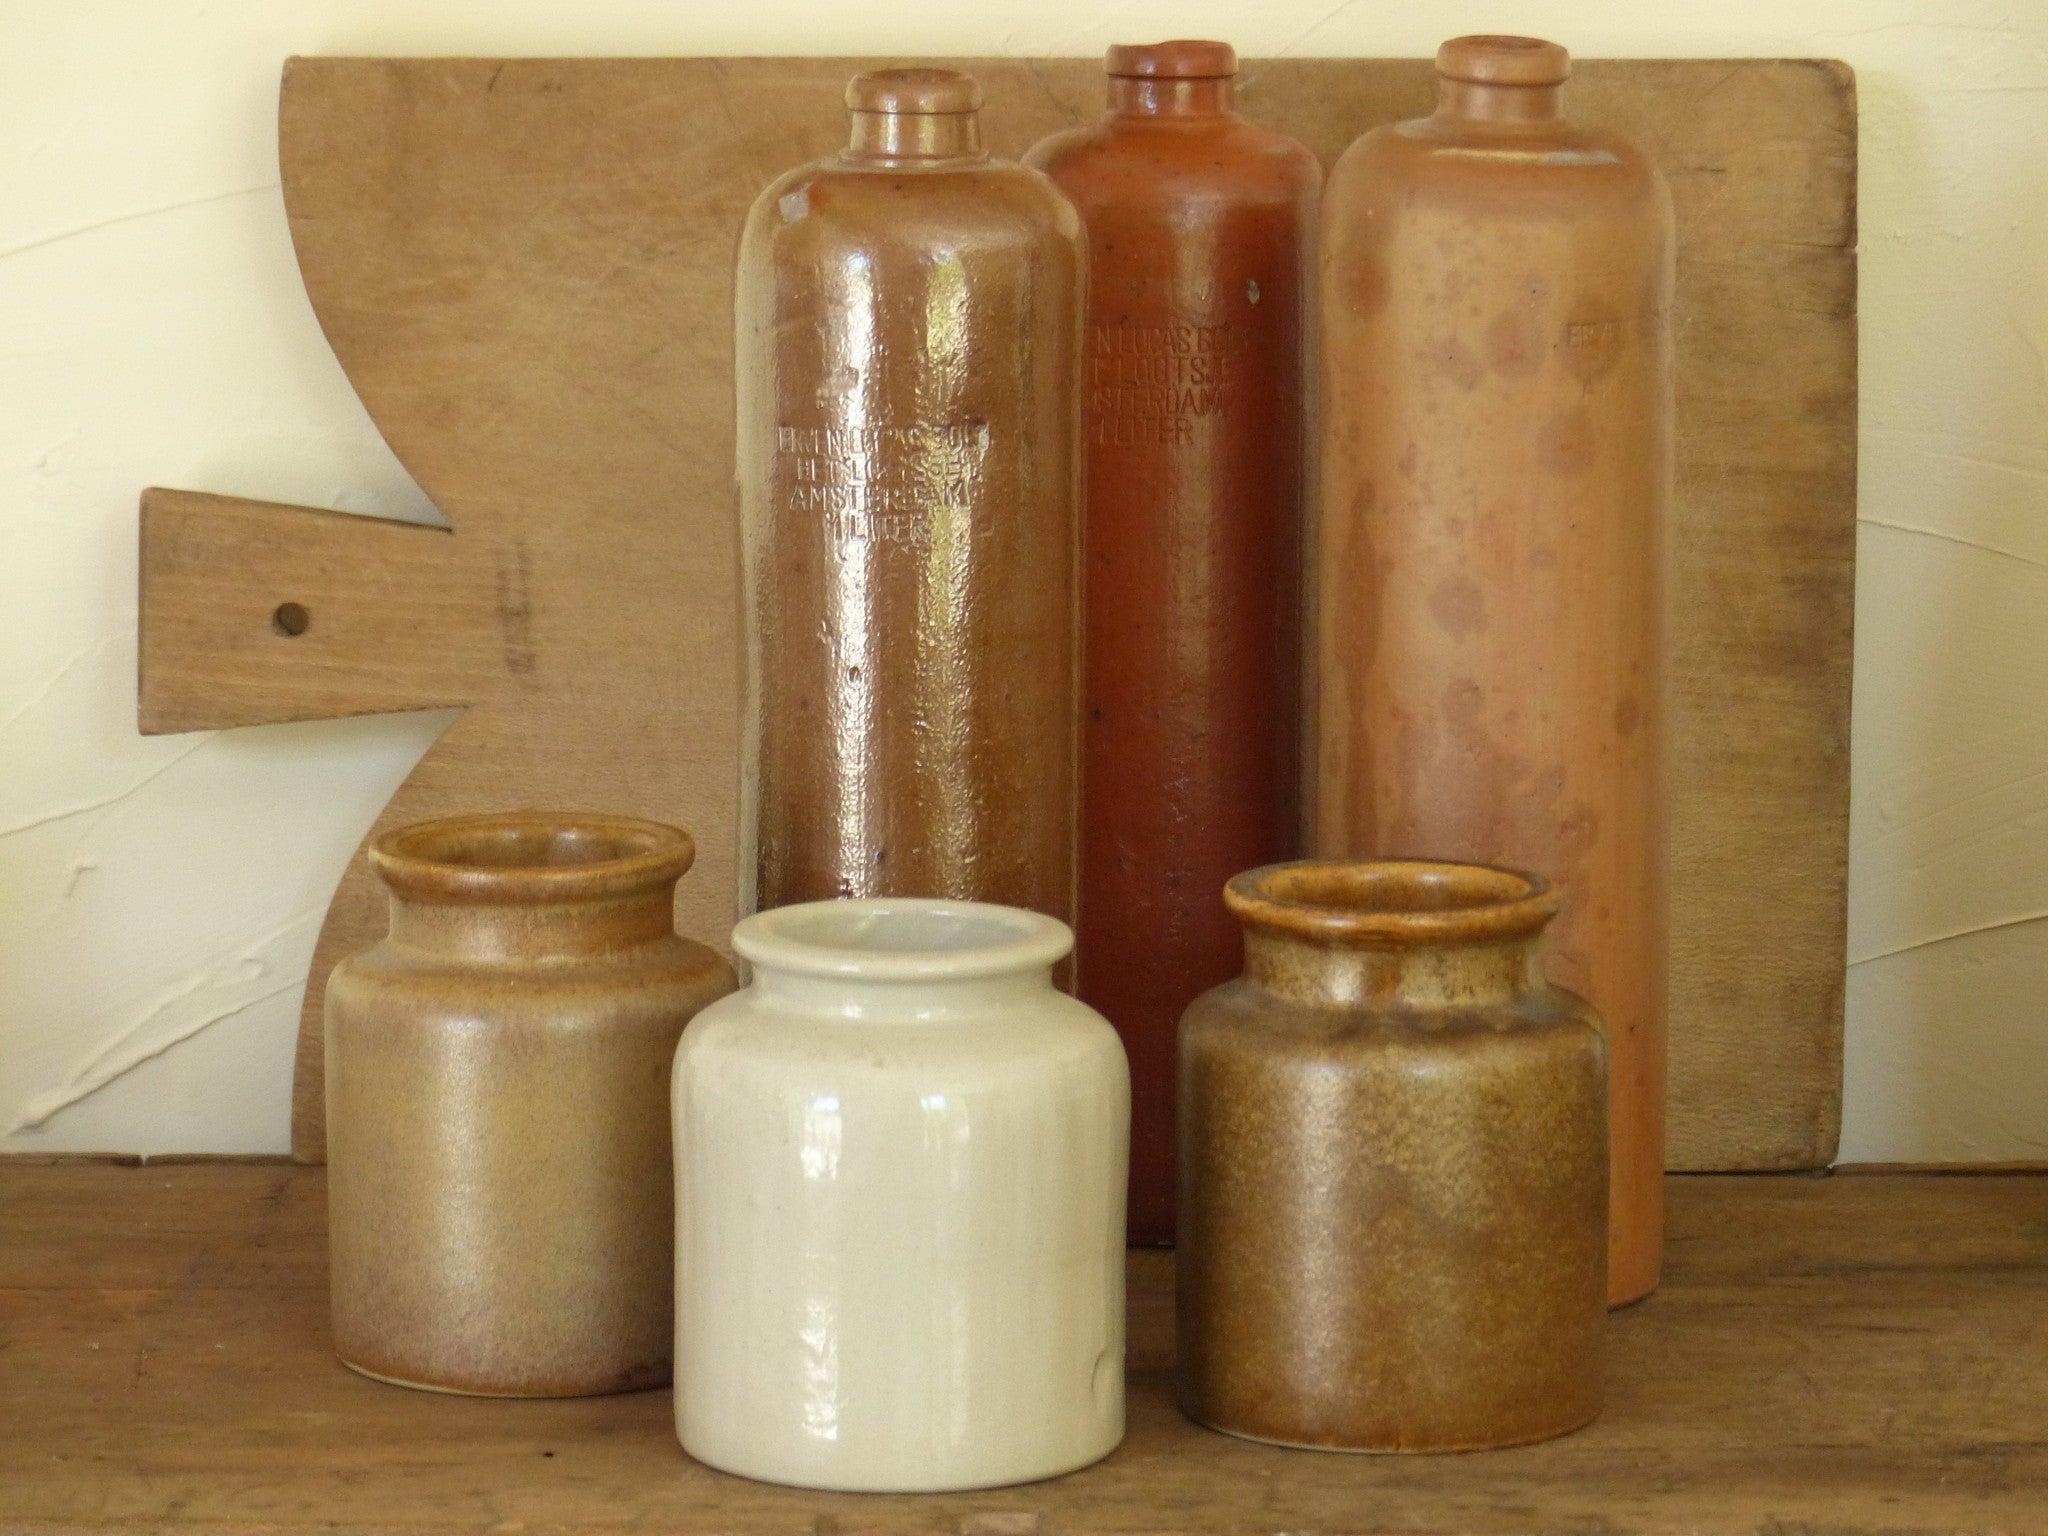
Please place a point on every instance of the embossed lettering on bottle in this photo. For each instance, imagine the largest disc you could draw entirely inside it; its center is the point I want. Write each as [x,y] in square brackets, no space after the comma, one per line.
[885,484]
[1150,384]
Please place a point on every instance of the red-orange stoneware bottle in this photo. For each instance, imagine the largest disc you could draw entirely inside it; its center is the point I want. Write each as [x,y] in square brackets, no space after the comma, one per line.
[908,355]
[1496,296]
[1201,234]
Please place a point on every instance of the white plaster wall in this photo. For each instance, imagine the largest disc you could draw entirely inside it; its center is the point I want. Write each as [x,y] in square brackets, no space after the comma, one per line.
[159,898]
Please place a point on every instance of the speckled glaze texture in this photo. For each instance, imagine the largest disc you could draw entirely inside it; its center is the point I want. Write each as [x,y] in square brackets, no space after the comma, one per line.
[1496,487]
[498,1171]
[900,1165]
[908,355]
[1393,1168]
[1201,243]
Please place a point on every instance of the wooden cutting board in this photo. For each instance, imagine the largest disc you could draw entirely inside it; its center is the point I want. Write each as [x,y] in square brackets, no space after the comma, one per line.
[525,268]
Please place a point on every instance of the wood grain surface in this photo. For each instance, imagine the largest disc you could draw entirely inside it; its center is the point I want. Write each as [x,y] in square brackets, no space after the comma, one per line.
[525,268]
[1839,1355]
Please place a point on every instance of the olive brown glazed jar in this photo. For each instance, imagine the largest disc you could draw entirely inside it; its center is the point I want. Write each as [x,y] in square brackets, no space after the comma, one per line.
[1496,289]
[1393,1231]
[900,1166]
[1201,244]
[500,1214]
[908,335]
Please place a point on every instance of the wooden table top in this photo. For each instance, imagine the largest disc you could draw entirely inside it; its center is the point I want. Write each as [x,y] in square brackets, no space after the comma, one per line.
[1848,1354]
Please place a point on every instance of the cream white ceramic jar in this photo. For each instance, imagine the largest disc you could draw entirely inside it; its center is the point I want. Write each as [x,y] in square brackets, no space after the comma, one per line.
[900,1165]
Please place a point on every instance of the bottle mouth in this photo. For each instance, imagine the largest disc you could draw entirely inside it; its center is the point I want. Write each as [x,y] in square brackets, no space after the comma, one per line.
[902,939]
[914,92]
[1392,903]
[523,857]
[1492,60]
[1183,58]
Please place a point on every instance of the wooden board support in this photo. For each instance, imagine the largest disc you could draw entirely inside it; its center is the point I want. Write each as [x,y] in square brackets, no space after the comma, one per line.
[525,268]
[1842,1355]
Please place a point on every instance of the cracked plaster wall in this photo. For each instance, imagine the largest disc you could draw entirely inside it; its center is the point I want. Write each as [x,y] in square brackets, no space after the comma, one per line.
[159,898]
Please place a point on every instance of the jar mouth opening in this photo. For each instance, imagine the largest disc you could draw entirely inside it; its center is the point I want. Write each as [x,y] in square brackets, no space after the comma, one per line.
[902,939]
[531,856]
[1392,903]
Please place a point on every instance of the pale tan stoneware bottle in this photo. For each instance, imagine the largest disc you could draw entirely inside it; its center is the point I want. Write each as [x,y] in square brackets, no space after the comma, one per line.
[908,316]
[498,1164]
[1496,478]
[1393,1229]
[1201,258]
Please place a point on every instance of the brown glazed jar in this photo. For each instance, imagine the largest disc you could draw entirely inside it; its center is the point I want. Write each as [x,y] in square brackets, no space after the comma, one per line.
[1201,239]
[908,353]
[499,1180]
[1496,290]
[1393,1218]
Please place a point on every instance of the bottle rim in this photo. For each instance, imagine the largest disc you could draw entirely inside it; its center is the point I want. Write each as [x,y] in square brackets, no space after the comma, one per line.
[914,92]
[1488,59]
[1180,58]
[901,938]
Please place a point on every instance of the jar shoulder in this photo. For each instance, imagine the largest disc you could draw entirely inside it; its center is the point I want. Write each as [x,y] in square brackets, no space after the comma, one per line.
[746,1028]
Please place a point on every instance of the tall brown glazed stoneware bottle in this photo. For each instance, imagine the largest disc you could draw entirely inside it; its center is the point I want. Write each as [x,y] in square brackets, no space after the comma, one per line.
[908,335]
[1201,244]
[1496,291]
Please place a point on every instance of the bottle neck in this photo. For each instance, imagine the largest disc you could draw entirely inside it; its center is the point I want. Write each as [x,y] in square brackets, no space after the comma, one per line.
[1471,104]
[534,932]
[1421,977]
[895,138]
[927,1001]
[1157,97]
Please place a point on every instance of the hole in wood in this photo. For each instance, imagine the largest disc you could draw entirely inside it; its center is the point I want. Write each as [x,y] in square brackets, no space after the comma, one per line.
[290,619]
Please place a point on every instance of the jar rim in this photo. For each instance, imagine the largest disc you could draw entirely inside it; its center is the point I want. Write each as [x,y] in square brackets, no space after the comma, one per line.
[519,857]
[902,938]
[1392,903]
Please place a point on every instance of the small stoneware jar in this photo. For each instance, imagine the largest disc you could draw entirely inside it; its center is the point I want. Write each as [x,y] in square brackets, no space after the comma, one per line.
[1393,1167]
[900,1163]
[498,1172]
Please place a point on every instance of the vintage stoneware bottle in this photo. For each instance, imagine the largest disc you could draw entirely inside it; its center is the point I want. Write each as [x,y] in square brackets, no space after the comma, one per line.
[1496,291]
[1201,244]
[908,334]
[498,1174]
[1393,1228]
[900,1165]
